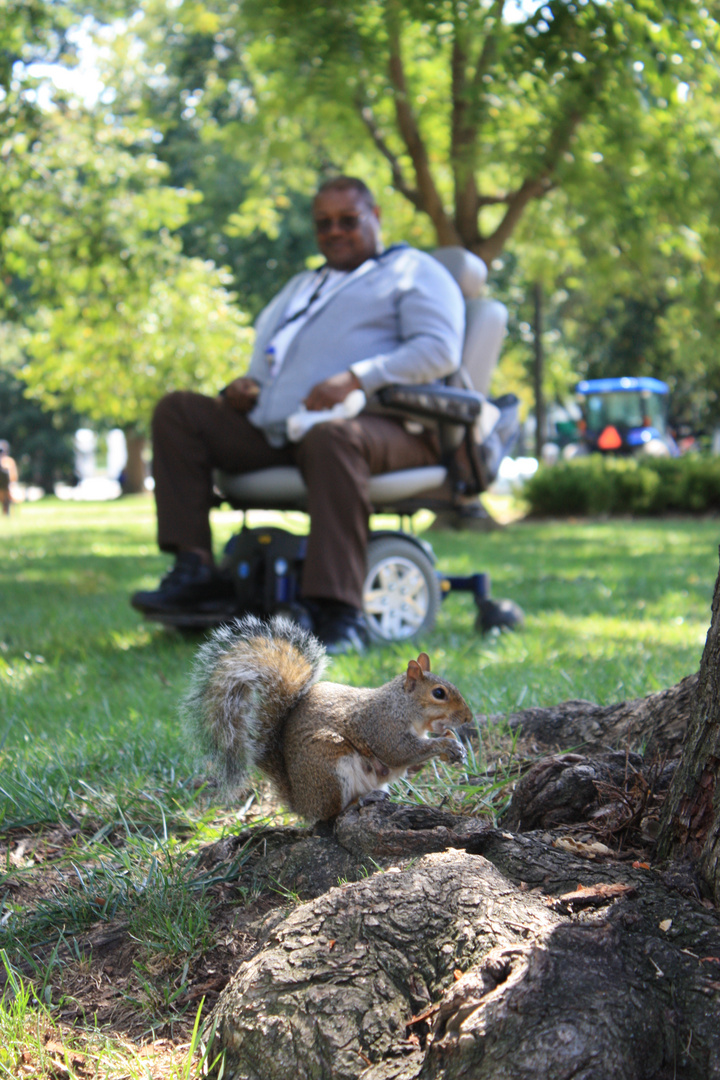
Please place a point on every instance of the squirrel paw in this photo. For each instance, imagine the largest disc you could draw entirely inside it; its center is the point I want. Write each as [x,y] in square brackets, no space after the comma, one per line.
[454,752]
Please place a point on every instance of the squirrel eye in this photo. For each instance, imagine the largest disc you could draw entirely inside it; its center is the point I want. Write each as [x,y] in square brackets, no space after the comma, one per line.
[439,693]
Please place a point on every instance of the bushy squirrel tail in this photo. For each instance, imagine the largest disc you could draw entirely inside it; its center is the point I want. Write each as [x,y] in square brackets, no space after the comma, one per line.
[246,679]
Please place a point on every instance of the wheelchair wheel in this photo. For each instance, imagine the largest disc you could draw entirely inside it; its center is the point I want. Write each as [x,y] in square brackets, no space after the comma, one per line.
[401,594]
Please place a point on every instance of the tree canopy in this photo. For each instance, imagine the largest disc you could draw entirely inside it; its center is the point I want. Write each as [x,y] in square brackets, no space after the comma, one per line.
[476,109]
[569,143]
[103,309]
[119,313]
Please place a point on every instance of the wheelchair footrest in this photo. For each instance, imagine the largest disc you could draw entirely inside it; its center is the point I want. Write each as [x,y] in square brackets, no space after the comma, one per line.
[477,584]
[492,614]
[194,620]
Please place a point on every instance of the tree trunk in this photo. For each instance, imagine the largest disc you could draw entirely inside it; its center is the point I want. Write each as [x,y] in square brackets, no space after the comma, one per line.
[134,472]
[538,371]
[690,824]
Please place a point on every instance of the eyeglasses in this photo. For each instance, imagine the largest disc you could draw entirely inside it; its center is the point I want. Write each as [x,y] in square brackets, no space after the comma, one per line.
[346,223]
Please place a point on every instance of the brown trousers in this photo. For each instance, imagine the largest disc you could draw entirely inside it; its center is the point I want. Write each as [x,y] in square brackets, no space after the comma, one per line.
[194,434]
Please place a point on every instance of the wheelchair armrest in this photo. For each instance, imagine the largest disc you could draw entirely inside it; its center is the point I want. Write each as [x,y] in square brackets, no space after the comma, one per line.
[434,400]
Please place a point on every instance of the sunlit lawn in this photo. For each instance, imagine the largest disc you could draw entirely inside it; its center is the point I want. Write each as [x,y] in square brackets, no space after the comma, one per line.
[614,609]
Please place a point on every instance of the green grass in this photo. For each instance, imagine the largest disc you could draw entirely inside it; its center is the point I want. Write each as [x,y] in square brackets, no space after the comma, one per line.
[89,692]
[33,1044]
[90,745]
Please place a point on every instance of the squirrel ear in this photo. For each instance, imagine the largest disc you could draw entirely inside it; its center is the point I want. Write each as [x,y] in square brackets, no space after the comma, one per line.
[414,673]
[424,661]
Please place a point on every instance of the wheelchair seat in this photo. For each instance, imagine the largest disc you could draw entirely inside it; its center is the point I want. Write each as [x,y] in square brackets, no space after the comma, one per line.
[283,488]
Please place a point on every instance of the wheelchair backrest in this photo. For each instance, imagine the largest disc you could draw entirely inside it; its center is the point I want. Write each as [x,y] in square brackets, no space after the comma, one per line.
[485,319]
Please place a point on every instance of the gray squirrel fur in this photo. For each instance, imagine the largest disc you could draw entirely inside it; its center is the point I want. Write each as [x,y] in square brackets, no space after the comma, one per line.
[210,723]
[255,701]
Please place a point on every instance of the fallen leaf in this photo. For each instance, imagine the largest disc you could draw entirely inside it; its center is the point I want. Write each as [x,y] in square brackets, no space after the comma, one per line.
[641,866]
[586,895]
[576,847]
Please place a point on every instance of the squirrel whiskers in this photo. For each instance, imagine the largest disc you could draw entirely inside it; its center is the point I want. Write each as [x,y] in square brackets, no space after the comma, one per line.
[255,701]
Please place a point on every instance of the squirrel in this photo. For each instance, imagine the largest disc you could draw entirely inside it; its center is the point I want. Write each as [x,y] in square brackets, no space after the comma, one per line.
[255,700]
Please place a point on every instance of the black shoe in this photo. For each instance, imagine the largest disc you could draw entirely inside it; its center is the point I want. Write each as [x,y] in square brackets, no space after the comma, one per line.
[470,517]
[342,629]
[190,585]
[297,613]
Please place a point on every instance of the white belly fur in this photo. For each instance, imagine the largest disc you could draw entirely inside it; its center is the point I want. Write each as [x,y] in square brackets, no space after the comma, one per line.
[357,777]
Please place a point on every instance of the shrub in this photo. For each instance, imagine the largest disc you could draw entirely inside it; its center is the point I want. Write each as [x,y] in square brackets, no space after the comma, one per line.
[625,485]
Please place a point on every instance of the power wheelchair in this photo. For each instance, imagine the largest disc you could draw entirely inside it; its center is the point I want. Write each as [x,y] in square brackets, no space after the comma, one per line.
[403,591]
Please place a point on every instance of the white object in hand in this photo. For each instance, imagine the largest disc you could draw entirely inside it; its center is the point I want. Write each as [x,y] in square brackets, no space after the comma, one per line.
[301,421]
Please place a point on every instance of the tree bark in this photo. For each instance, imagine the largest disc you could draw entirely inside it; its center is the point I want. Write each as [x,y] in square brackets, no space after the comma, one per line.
[539,370]
[494,956]
[134,472]
[690,824]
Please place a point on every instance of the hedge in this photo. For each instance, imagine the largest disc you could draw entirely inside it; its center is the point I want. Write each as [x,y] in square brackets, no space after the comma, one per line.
[616,485]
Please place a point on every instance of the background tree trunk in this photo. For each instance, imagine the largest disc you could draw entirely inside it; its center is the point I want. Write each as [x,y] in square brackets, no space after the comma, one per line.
[539,371]
[690,824]
[134,472]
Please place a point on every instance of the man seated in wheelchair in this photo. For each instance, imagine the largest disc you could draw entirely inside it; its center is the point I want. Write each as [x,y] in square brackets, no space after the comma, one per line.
[369,317]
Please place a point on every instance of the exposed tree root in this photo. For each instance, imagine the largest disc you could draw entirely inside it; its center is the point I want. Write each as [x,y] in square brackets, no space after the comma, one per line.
[484,959]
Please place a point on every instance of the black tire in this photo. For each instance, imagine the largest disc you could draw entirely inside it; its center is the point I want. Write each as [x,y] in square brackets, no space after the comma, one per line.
[401,593]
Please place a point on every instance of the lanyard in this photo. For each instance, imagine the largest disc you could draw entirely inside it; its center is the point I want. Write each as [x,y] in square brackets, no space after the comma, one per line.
[308,305]
[275,349]
[323,278]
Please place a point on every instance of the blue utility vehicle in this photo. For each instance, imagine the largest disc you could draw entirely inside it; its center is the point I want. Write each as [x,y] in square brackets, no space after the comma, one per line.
[624,416]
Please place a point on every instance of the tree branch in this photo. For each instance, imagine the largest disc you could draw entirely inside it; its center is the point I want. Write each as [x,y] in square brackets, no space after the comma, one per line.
[491,246]
[492,200]
[398,177]
[531,188]
[467,116]
[463,143]
[489,45]
[431,202]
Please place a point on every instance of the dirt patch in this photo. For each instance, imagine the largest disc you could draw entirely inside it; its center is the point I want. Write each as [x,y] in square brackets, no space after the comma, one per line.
[104,980]
[119,987]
